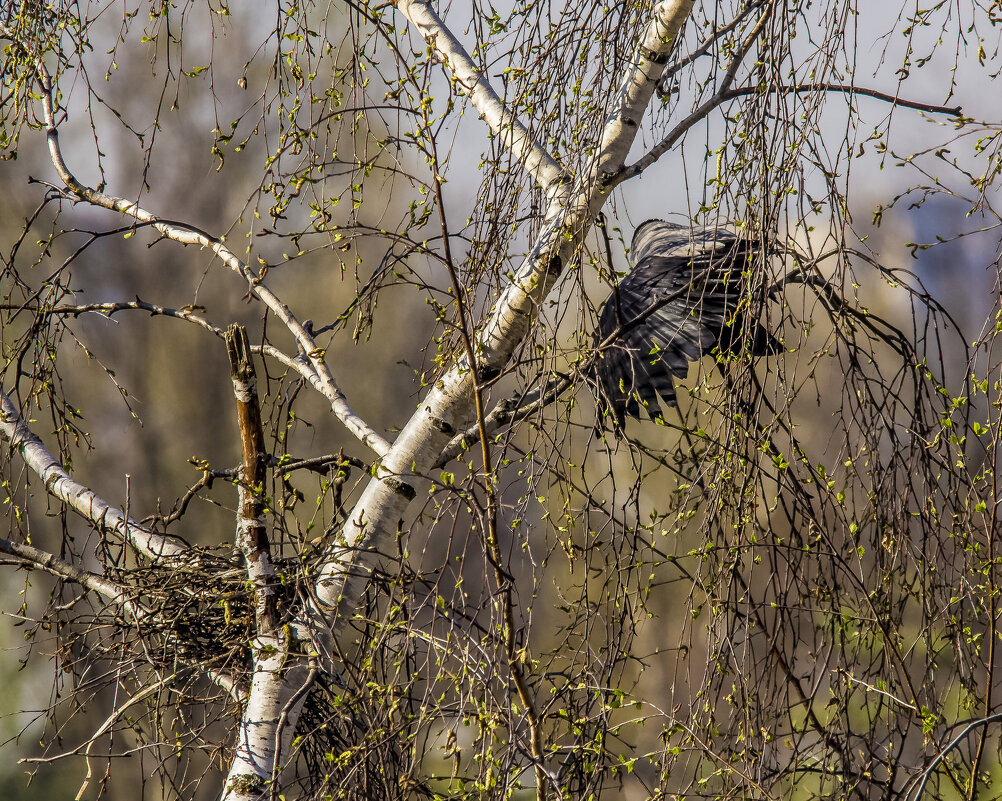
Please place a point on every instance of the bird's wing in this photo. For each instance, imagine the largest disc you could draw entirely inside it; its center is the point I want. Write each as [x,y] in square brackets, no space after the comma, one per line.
[628,367]
[695,274]
[669,311]
[658,238]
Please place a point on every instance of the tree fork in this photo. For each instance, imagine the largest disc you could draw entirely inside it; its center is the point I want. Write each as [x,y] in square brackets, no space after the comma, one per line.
[448,407]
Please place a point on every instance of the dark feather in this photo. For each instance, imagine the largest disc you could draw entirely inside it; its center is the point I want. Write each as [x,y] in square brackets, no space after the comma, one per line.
[677,303]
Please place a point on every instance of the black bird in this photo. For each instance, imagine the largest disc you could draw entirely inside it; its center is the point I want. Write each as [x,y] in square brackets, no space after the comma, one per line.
[679,301]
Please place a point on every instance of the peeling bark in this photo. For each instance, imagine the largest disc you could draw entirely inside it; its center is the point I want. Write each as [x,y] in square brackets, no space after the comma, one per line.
[252,527]
[281,672]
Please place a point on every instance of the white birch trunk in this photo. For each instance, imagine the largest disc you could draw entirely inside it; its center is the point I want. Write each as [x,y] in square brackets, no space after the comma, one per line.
[279,686]
[445,411]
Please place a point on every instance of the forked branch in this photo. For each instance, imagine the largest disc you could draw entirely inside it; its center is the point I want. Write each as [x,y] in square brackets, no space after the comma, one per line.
[475,85]
[446,410]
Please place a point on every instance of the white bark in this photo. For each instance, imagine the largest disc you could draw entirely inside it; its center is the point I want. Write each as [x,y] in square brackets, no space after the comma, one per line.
[260,569]
[446,409]
[279,685]
[109,519]
[43,560]
[533,156]
[59,484]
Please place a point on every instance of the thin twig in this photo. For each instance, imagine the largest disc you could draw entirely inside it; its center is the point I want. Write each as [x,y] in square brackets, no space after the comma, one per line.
[725,94]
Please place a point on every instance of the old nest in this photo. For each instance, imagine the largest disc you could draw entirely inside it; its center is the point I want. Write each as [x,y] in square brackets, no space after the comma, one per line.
[201,611]
[200,615]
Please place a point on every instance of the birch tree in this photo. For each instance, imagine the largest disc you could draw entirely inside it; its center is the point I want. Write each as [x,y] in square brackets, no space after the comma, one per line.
[460,577]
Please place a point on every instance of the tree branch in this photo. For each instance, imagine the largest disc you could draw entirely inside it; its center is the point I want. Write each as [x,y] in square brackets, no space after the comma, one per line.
[299,363]
[719,97]
[446,409]
[674,68]
[724,94]
[59,484]
[968,727]
[32,557]
[932,108]
[505,412]
[110,308]
[475,84]
[190,235]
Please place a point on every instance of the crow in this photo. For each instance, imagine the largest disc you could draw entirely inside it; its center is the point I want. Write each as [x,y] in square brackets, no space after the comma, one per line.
[679,301]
